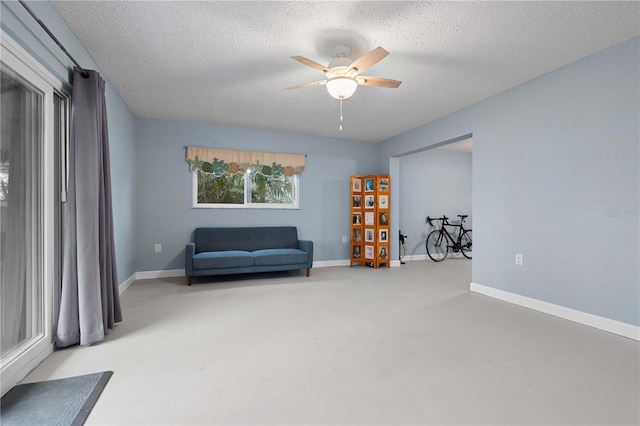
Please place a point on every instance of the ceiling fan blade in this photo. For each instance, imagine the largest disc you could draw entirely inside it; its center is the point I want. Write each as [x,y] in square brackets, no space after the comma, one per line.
[310,63]
[378,82]
[315,83]
[368,60]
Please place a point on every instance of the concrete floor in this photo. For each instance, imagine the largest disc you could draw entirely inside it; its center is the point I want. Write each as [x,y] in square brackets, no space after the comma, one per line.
[407,345]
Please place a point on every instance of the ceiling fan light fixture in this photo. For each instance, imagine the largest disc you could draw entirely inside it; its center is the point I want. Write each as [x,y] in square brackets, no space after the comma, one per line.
[342,87]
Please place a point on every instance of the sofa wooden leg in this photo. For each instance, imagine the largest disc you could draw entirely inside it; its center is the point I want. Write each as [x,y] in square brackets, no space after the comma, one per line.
[190,279]
[308,270]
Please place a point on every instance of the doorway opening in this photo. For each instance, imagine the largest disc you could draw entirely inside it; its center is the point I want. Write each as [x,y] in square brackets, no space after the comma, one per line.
[434,182]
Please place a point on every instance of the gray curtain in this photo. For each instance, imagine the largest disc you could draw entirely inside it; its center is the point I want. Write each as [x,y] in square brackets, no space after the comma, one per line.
[90,301]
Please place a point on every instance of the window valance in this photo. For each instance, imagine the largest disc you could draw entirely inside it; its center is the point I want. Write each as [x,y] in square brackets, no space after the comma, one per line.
[218,162]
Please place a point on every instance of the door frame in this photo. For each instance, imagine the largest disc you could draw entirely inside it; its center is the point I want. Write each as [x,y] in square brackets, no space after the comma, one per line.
[20,364]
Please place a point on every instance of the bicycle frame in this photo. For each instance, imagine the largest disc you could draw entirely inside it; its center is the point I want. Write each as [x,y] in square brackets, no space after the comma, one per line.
[457,242]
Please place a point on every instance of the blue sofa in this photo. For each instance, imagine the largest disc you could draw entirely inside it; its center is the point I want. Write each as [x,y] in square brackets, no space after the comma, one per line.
[239,250]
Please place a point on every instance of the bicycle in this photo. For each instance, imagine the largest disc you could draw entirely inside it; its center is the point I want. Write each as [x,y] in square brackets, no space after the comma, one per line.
[440,241]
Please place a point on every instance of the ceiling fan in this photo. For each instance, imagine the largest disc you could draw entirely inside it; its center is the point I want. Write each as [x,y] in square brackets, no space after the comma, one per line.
[343,73]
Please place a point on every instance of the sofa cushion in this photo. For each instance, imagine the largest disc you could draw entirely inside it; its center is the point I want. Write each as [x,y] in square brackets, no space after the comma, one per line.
[245,238]
[222,259]
[284,256]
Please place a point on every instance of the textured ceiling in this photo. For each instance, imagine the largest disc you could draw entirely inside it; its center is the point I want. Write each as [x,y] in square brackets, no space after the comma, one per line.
[229,63]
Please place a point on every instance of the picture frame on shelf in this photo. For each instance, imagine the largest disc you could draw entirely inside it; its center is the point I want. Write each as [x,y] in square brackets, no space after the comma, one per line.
[383,184]
[356,252]
[369,252]
[369,218]
[383,218]
[357,235]
[383,253]
[356,185]
[369,201]
[383,236]
[357,218]
[383,201]
[368,235]
[369,185]
[356,202]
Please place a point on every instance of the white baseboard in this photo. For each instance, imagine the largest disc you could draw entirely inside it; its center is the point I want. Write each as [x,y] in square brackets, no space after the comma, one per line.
[595,321]
[346,262]
[167,273]
[419,257]
[143,275]
[127,283]
[330,263]
[414,257]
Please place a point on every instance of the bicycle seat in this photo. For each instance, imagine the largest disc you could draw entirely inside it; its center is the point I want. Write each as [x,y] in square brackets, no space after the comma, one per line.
[463,216]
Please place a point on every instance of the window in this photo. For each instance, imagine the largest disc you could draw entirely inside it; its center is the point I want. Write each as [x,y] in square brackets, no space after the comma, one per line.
[244,179]
[250,189]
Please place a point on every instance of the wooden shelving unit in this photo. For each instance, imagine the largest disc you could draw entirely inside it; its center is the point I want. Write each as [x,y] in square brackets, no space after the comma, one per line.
[370,210]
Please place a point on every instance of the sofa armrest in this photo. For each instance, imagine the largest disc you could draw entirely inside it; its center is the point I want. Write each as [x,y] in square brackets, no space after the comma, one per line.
[189,252]
[307,246]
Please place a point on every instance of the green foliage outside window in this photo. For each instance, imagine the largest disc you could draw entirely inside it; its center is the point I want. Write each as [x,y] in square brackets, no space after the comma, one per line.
[269,185]
[224,189]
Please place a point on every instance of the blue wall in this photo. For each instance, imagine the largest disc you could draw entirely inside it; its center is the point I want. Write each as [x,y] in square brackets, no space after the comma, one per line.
[17,22]
[555,177]
[432,183]
[164,185]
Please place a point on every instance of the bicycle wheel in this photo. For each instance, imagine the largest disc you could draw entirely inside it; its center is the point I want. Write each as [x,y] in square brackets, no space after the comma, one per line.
[465,244]
[437,246]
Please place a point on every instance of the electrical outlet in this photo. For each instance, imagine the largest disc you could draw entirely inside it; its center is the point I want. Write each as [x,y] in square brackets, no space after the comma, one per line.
[518,259]
[344,239]
[158,248]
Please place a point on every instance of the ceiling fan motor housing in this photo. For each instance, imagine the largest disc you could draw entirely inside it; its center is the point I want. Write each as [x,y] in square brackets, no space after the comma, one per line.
[342,63]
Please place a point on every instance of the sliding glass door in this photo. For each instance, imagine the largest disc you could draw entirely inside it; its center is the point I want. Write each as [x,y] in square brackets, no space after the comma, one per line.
[21,281]
[33,126]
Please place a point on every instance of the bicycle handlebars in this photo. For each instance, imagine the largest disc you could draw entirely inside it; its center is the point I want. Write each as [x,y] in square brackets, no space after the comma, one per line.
[444,219]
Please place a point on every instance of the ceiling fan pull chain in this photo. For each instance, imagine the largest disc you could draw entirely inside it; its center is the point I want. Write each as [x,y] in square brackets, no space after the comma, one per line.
[341,119]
